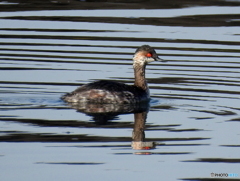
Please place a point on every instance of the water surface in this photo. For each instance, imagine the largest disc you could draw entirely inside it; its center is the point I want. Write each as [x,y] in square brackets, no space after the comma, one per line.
[192,126]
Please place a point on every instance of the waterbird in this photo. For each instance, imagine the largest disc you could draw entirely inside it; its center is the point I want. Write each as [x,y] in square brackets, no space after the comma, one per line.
[108,91]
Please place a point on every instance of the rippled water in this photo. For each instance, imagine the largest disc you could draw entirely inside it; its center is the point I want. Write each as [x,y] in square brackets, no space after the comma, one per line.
[192,127]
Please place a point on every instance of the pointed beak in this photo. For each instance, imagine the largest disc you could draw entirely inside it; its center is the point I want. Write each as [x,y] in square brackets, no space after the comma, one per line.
[159,59]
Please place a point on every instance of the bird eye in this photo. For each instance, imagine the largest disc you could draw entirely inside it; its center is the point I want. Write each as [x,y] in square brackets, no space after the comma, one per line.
[149,55]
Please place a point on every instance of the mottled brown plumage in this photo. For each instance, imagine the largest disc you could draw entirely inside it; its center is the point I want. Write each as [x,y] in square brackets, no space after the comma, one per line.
[105,91]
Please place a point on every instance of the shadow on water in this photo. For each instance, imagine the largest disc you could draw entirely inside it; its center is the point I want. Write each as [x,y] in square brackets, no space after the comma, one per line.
[102,115]
[109,4]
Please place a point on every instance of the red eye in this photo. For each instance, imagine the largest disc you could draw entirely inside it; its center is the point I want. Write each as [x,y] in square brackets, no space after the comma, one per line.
[149,55]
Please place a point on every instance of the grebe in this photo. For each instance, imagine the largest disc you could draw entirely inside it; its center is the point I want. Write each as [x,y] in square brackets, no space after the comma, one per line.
[105,91]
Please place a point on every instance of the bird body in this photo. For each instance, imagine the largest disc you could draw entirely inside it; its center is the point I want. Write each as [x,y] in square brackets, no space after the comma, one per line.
[105,91]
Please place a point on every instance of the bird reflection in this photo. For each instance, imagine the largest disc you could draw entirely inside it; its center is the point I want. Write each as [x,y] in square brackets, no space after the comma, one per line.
[103,113]
[138,136]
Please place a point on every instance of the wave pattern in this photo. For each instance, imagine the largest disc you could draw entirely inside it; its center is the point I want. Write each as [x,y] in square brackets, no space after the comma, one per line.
[44,54]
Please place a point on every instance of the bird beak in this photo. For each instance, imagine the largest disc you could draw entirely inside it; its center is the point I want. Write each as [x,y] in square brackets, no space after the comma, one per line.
[159,59]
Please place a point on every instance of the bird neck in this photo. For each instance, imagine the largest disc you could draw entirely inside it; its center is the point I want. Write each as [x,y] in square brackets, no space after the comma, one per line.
[139,73]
